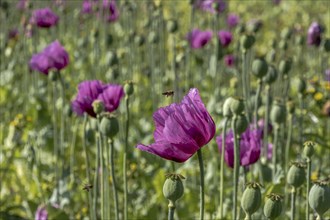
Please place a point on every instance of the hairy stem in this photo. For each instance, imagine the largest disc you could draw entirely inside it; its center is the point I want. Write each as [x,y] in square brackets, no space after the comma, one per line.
[201,189]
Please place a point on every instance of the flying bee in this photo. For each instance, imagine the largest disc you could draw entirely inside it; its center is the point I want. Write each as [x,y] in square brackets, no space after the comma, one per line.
[168,93]
[87,187]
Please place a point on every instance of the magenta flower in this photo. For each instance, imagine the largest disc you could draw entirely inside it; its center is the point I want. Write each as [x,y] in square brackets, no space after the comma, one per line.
[88,92]
[181,129]
[40,62]
[225,37]
[229,60]
[198,39]
[87,7]
[13,33]
[111,10]
[232,20]
[212,6]
[44,18]
[41,213]
[111,97]
[314,34]
[250,145]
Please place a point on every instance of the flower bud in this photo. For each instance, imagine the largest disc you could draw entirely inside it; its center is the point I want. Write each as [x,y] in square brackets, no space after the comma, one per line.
[319,197]
[259,68]
[273,206]
[247,41]
[251,199]
[129,88]
[308,149]
[109,126]
[240,123]
[277,113]
[172,26]
[173,188]
[153,37]
[296,175]
[237,105]
[285,66]
[301,86]
[98,107]
[271,75]
[226,107]
[326,45]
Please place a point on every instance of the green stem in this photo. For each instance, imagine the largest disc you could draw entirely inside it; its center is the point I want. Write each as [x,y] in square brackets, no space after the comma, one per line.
[265,138]
[125,157]
[96,177]
[56,150]
[274,156]
[288,143]
[114,185]
[309,164]
[100,141]
[222,165]
[91,210]
[171,208]
[247,216]
[201,189]
[256,103]
[62,130]
[293,202]
[301,105]
[236,166]
[73,143]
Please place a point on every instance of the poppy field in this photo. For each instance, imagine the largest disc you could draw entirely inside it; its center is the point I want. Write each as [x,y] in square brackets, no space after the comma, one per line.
[164,109]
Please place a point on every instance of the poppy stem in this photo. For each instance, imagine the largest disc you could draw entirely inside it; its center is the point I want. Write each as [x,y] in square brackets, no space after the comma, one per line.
[171,208]
[222,165]
[293,202]
[96,179]
[274,156]
[265,137]
[101,158]
[309,164]
[125,157]
[56,149]
[236,166]
[288,143]
[201,189]
[256,103]
[114,185]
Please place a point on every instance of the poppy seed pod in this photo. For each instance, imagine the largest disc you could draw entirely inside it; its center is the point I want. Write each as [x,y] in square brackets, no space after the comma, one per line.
[139,40]
[98,107]
[271,75]
[247,41]
[277,113]
[237,105]
[129,88]
[273,206]
[240,123]
[286,33]
[173,188]
[319,197]
[270,56]
[259,68]
[308,149]
[301,86]
[251,199]
[326,45]
[109,126]
[283,45]
[153,37]
[226,107]
[172,26]
[290,106]
[285,66]
[296,175]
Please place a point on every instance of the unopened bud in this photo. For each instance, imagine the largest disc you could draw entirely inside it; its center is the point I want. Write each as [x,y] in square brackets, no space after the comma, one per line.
[98,107]
[271,75]
[226,107]
[308,149]
[296,174]
[129,88]
[277,113]
[237,105]
[172,26]
[247,41]
[240,123]
[285,66]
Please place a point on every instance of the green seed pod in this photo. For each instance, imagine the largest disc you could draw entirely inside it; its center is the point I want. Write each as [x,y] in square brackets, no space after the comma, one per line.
[153,37]
[173,188]
[172,26]
[90,134]
[109,126]
[139,40]
[266,172]
[240,29]
[326,45]
[296,174]
[277,113]
[98,107]
[112,58]
[273,206]
[241,123]
[129,88]
[319,197]
[251,199]
[247,41]
[270,56]
[53,76]
[259,68]
[271,75]
[285,66]
[237,105]
[299,40]
[301,86]
[226,107]
[283,45]
[290,106]
[308,149]
[286,33]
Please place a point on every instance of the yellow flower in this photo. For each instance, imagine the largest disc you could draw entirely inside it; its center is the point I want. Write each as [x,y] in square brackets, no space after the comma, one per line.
[318,96]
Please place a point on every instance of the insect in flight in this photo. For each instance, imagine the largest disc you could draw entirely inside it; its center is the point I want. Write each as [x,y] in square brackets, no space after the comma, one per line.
[168,93]
[87,187]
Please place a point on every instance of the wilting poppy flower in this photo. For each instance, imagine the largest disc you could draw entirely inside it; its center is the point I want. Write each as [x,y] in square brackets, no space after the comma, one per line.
[232,20]
[229,60]
[198,39]
[88,92]
[44,18]
[41,213]
[111,97]
[212,6]
[250,145]
[314,34]
[111,11]
[181,129]
[225,37]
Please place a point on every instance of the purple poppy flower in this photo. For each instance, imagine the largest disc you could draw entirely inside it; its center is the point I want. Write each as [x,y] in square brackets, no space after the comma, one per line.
[40,62]
[232,20]
[314,34]
[41,213]
[44,18]
[229,60]
[327,75]
[111,10]
[181,129]
[198,39]
[250,145]
[57,54]
[212,6]
[225,37]
[88,92]
[261,125]
[111,97]
[87,7]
